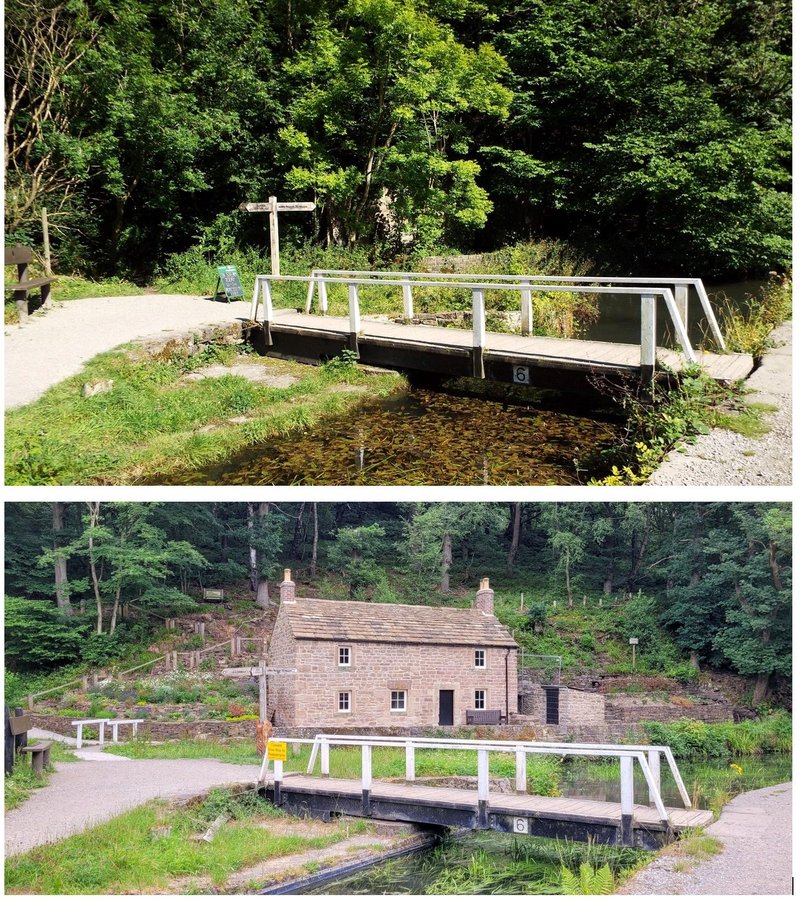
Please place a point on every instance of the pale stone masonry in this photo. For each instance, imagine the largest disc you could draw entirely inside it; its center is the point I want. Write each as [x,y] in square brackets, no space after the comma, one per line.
[388,665]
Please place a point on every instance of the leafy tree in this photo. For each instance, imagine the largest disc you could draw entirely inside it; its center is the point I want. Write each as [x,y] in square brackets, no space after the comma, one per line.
[38,637]
[358,554]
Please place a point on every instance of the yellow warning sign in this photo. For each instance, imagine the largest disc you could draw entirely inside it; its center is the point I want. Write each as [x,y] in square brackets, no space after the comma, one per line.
[276,750]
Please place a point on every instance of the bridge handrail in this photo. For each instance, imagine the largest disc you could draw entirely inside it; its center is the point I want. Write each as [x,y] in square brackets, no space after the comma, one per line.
[681,286]
[626,754]
[263,286]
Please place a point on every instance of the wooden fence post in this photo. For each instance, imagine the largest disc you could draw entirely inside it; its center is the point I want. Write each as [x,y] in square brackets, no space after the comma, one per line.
[366,779]
[325,758]
[322,290]
[682,302]
[408,301]
[478,333]
[254,303]
[522,771]
[527,308]
[654,764]
[411,774]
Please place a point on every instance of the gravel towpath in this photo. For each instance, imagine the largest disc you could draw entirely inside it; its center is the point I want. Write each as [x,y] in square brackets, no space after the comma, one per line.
[723,457]
[54,344]
[755,830]
[100,786]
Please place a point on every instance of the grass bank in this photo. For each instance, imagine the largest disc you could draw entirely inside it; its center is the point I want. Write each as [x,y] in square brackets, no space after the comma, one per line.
[155,423]
[146,850]
[23,781]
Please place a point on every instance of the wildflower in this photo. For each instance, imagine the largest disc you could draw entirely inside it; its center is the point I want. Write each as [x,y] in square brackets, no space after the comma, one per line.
[737,769]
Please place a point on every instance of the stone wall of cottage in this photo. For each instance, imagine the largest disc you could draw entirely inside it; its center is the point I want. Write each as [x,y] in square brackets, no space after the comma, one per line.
[282,692]
[575,708]
[377,669]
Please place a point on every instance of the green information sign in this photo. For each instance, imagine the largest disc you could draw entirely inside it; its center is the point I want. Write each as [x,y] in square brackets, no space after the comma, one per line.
[228,277]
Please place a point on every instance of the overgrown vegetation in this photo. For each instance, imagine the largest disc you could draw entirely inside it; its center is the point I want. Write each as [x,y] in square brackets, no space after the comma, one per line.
[748,329]
[691,739]
[154,422]
[144,850]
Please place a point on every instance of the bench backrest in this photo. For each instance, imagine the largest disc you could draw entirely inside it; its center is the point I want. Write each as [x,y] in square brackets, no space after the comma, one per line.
[20,724]
[483,716]
[213,594]
[18,255]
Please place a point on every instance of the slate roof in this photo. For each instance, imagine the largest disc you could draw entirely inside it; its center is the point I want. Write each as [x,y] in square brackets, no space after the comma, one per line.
[393,623]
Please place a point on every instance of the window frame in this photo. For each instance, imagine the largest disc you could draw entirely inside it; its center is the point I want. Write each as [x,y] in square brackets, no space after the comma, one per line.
[484,657]
[348,650]
[395,695]
[349,696]
[480,701]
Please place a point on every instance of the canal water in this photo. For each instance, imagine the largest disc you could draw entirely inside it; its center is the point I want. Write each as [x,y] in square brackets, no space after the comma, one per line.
[487,862]
[465,435]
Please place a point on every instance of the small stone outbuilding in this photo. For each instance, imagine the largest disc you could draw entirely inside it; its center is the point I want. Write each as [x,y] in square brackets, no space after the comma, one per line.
[378,665]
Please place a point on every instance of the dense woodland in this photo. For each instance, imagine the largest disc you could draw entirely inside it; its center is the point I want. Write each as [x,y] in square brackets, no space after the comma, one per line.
[651,134]
[699,584]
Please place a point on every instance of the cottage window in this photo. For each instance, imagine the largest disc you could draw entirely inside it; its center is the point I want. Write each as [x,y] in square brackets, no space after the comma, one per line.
[480,699]
[398,703]
[344,701]
[344,656]
[480,658]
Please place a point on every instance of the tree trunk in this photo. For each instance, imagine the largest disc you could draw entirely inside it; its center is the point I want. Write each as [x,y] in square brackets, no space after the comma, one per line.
[516,514]
[608,584]
[94,519]
[115,609]
[569,584]
[761,689]
[253,552]
[315,545]
[447,561]
[60,565]
[694,659]
[262,591]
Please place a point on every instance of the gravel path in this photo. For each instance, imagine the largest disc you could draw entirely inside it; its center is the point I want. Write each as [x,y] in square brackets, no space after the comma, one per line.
[100,786]
[755,830]
[54,344]
[726,458]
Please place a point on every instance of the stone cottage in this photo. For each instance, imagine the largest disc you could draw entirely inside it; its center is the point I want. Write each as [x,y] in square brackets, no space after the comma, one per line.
[370,665]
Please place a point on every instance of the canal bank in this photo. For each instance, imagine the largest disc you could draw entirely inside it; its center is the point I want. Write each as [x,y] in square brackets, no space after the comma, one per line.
[755,833]
[723,457]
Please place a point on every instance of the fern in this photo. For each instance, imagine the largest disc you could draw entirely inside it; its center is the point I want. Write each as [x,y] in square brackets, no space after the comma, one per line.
[587,881]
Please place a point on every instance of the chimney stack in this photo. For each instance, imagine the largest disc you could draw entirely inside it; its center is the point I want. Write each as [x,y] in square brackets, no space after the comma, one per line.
[484,599]
[287,587]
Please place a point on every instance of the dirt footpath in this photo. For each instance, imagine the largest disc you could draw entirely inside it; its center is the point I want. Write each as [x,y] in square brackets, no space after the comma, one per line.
[755,830]
[83,794]
[723,457]
[54,344]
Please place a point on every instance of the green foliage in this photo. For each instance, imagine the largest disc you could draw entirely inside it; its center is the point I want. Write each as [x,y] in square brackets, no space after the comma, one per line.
[587,880]
[692,739]
[38,637]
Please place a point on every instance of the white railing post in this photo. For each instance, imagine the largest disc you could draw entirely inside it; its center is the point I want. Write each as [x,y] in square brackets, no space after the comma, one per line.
[79,741]
[682,302]
[322,291]
[522,771]
[266,299]
[478,332]
[527,308]
[325,757]
[673,767]
[483,788]
[312,280]
[312,758]
[254,304]
[709,311]
[366,778]
[408,301]
[355,316]
[411,774]
[264,768]
[654,764]
[648,339]
[680,327]
[626,798]
[102,732]
[277,768]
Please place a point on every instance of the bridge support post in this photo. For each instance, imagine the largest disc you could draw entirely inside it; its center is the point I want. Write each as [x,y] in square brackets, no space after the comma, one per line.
[322,290]
[648,338]
[626,799]
[324,758]
[478,333]
[527,309]
[355,317]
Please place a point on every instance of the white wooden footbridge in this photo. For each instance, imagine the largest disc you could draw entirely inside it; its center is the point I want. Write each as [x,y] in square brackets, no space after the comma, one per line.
[326,794]
[518,358]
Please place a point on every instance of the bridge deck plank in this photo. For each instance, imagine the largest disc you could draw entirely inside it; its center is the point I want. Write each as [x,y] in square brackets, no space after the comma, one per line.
[555,352]
[569,809]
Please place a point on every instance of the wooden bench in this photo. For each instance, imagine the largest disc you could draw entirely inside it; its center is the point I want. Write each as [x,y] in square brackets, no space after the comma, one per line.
[18,728]
[21,257]
[40,755]
[484,716]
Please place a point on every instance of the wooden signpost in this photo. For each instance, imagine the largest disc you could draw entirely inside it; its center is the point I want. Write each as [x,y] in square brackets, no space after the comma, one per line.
[273,208]
[261,671]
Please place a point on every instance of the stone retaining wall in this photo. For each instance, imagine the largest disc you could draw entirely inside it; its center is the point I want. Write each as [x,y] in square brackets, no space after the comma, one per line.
[631,710]
[159,731]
